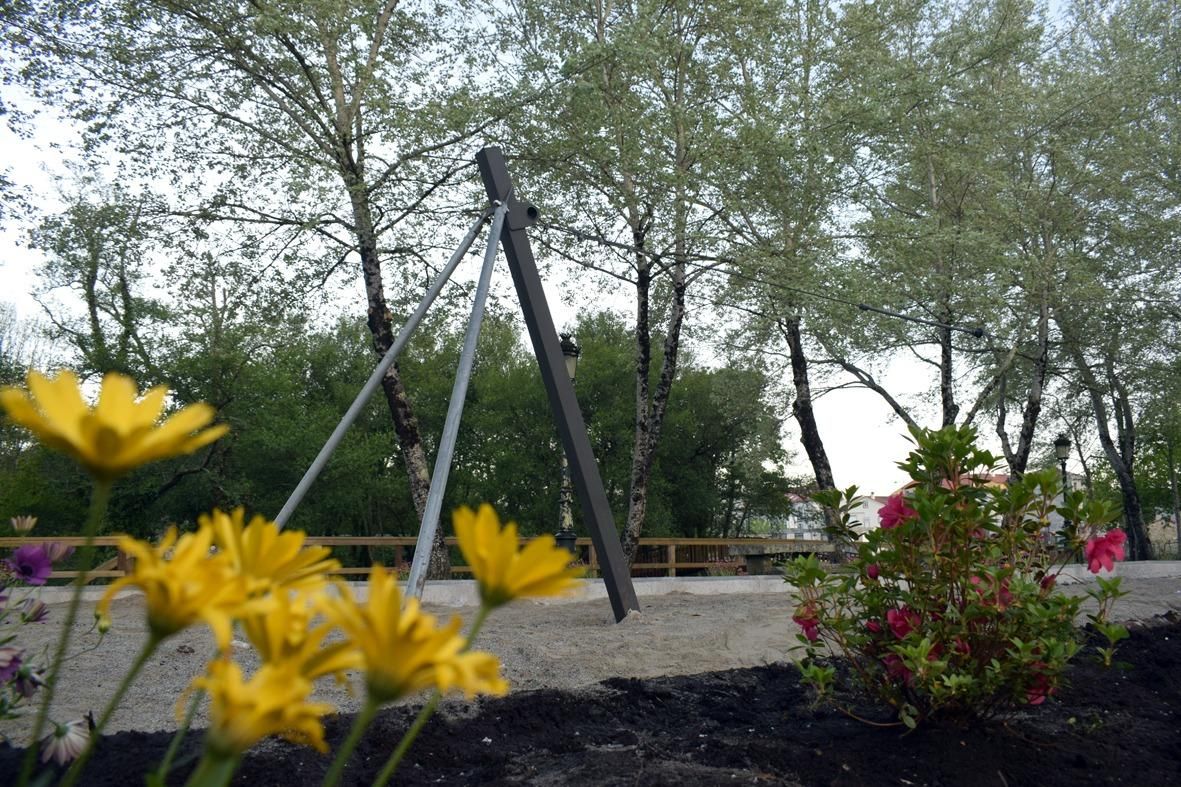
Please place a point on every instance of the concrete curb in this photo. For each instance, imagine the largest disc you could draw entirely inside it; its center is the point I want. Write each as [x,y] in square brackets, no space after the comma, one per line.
[464,592]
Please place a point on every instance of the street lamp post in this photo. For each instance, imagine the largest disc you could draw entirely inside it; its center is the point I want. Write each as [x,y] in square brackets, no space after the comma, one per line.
[565,535]
[1062,451]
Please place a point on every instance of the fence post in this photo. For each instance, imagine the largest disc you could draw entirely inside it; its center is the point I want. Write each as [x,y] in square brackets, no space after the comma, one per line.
[672,560]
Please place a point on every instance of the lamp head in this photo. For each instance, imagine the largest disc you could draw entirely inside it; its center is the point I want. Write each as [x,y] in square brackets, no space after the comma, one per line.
[1062,447]
[571,351]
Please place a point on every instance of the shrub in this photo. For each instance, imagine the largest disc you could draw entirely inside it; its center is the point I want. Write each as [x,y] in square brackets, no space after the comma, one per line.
[951,609]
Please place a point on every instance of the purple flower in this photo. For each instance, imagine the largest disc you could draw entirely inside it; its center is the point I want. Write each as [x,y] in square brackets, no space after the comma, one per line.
[56,551]
[27,681]
[31,564]
[10,663]
[33,611]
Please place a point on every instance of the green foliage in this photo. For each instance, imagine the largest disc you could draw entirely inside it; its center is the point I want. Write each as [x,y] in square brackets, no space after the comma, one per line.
[720,435]
[960,161]
[951,610]
[283,387]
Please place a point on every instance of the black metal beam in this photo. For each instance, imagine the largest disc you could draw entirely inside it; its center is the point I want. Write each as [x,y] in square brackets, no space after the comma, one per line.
[584,470]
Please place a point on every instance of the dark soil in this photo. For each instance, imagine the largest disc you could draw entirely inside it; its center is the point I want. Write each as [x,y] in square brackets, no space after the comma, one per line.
[749,726]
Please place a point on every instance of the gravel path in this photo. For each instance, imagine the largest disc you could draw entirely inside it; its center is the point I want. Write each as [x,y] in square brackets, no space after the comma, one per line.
[562,646]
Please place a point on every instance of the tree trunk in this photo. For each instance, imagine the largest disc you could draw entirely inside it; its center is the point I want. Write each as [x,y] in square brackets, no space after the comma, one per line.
[380,323]
[946,376]
[637,502]
[801,407]
[650,417]
[1088,478]
[731,499]
[1176,497]
[1120,463]
[1019,459]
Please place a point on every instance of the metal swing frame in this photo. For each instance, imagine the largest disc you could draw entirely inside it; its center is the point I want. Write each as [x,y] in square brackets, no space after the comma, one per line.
[510,220]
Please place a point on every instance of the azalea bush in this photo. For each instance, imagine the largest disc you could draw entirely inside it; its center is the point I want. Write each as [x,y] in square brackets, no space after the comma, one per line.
[950,609]
[269,584]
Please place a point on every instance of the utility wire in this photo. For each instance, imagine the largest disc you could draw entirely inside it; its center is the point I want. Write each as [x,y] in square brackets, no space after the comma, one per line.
[977,332]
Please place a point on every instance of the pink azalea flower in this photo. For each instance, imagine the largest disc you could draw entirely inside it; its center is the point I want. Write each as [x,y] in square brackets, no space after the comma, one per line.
[1040,688]
[896,669]
[872,571]
[806,619]
[992,594]
[895,512]
[1048,582]
[1103,551]
[873,626]
[31,564]
[902,621]
[810,626]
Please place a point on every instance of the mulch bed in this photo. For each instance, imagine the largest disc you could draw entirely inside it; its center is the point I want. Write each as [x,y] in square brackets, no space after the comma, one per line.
[748,726]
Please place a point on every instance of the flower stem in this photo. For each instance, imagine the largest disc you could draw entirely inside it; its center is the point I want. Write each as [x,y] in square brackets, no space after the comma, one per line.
[214,770]
[98,509]
[477,624]
[360,724]
[427,711]
[395,759]
[75,771]
[158,777]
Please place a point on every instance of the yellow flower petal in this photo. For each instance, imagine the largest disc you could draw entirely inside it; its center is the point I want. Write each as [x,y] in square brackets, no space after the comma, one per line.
[182,584]
[281,630]
[272,702]
[403,650]
[115,436]
[504,572]
[269,560]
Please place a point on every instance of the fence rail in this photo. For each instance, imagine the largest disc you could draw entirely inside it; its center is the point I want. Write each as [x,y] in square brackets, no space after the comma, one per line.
[655,557]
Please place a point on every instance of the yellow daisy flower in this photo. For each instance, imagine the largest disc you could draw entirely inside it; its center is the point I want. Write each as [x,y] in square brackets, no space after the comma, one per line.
[505,572]
[267,558]
[120,433]
[273,702]
[281,630]
[182,584]
[402,648]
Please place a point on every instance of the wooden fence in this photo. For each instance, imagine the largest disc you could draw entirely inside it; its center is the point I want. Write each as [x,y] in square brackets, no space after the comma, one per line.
[655,557]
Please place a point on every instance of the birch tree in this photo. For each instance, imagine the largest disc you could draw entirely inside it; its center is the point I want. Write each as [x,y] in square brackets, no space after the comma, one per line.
[327,126]
[792,140]
[942,87]
[621,148]
[1116,305]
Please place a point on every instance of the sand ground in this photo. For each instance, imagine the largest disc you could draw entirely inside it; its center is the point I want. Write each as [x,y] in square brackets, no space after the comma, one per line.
[560,646]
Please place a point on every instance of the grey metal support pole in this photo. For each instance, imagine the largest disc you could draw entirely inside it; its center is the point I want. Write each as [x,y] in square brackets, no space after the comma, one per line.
[434,500]
[571,428]
[374,380]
